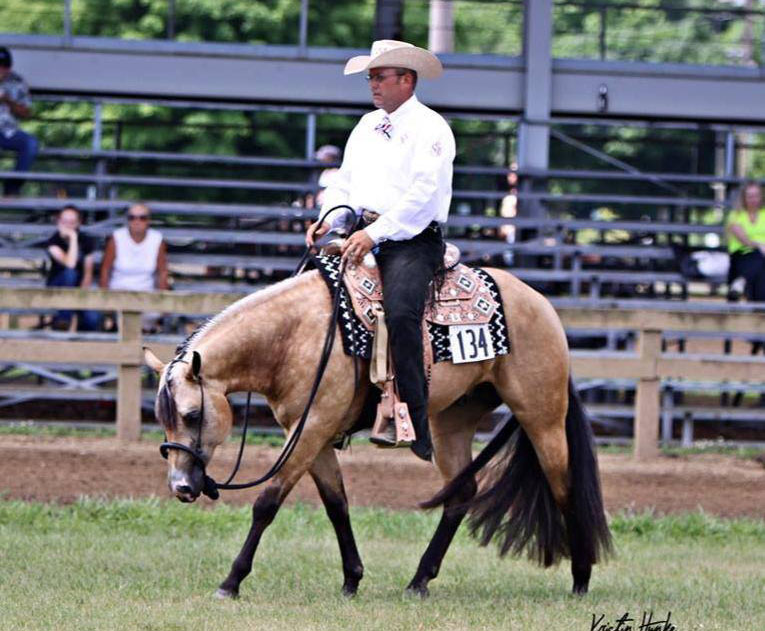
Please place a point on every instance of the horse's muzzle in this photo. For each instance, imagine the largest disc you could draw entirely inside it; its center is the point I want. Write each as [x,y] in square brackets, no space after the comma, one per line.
[187,486]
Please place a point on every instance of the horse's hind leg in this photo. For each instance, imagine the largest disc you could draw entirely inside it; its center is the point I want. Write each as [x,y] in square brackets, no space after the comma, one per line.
[329,481]
[452,434]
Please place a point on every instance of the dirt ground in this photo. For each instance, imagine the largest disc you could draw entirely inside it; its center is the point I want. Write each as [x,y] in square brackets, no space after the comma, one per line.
[62,469]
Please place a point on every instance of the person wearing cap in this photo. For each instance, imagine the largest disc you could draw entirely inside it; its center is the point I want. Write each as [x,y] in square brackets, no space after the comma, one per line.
[397,175]
[331,155]
[14,104]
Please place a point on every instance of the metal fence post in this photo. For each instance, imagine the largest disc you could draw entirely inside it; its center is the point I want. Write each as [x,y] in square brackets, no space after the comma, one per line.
[170,19]
[647,407]
[602,34]
[310,136]
[98,132]
[129,381]
[68,22]
[303,38]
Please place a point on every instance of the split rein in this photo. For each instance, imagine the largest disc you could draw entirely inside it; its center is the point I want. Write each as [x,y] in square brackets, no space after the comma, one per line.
[210,487]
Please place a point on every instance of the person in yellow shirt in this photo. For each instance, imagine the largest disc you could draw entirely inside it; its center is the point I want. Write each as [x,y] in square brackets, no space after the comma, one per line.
[745,228]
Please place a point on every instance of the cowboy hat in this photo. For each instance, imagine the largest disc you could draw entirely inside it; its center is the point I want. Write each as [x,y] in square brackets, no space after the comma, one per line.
[388,53]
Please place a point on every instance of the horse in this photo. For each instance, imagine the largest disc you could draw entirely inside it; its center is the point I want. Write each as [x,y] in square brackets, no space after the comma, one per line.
[541,495]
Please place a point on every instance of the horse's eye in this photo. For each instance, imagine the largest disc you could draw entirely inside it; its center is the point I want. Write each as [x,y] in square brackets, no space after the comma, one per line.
[192,418]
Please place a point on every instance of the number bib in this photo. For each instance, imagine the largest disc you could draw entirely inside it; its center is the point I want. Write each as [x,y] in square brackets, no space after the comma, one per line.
[470,343]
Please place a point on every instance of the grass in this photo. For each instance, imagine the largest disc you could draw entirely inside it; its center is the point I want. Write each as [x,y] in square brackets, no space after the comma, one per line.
[153,565]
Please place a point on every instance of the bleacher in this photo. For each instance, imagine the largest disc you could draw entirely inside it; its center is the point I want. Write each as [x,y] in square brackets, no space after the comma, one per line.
[236,222]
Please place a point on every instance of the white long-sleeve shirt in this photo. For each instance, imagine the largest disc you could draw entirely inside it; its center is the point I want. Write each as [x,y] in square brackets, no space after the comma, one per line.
[405,175]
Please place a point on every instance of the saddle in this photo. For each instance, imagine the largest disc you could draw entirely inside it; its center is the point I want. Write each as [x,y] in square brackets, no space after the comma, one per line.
[463,305]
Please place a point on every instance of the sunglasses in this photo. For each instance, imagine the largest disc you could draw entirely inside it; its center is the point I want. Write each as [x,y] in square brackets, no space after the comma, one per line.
[138,217]
[379,78]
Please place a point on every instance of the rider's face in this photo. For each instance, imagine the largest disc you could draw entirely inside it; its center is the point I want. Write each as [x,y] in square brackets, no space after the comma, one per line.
[389,89]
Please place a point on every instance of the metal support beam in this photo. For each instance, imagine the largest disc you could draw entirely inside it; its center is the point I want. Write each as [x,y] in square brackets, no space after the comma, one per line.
[389,19]
[303,35]
[534,139]
[310,136]
[170,19]
[68,22]
[441,30]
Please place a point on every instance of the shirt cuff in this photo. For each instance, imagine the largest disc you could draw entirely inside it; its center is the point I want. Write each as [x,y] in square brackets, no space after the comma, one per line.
[376,231]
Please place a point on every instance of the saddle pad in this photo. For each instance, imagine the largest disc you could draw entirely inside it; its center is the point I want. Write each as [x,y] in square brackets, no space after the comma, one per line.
[357,337]
[462,298]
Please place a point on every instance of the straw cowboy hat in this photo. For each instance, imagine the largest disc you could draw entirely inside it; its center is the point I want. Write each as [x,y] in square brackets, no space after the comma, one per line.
[388,53]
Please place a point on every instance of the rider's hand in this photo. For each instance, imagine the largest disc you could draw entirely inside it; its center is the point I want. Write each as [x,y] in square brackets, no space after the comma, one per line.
[356,246]
[315,232]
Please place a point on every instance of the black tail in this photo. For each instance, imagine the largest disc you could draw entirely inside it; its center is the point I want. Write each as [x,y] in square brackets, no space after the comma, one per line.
[586,501]
[516,502]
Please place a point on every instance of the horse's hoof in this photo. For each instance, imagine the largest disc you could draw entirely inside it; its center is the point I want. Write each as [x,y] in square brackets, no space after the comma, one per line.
[418,591]
[579,590]
[349,591]
[226,594]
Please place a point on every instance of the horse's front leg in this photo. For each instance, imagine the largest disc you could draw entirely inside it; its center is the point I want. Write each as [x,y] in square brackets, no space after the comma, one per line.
[329,481]
[263,512]
[267,505]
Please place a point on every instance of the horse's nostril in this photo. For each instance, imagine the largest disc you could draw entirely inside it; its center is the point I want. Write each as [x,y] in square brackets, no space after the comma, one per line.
[184,488]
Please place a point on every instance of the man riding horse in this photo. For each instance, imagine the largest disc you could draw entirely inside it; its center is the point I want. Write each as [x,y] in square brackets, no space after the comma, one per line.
[397,175]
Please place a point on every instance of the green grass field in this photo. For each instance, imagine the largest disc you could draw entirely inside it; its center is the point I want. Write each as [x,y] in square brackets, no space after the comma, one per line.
[154,565]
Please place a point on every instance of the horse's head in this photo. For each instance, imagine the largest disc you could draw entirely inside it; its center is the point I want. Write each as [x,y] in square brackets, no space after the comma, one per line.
[196,417]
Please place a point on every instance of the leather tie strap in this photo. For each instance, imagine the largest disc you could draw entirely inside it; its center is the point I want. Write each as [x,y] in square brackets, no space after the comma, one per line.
[378,367]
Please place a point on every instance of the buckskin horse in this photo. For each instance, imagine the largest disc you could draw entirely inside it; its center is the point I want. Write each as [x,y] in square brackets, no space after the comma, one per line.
[542,495]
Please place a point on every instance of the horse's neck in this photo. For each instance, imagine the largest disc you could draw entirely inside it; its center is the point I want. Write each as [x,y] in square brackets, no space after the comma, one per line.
[242,346]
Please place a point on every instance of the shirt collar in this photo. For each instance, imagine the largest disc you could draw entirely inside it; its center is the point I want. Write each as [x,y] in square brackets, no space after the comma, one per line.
[402,110]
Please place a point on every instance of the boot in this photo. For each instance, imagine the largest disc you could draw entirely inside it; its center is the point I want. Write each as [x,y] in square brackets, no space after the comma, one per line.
[422,447]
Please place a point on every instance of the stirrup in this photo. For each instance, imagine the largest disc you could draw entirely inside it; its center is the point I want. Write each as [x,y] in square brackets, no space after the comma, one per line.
[393,426]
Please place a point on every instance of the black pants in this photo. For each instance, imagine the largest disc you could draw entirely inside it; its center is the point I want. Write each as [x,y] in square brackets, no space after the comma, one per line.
[406,268]
[752,267]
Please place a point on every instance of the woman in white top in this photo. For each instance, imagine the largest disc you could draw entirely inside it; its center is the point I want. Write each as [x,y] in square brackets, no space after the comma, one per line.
[135,258]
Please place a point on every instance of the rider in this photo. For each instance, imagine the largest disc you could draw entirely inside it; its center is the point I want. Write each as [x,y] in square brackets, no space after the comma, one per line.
[397,174]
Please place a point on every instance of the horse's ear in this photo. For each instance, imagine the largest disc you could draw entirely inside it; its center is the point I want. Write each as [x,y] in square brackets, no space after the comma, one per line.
[152,361]
[196,364]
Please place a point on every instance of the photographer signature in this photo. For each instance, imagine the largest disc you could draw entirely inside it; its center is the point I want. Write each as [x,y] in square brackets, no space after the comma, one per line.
[628,623]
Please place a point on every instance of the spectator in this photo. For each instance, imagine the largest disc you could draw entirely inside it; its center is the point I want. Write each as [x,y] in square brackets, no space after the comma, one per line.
[14,104]
[135,258]
[331,155]
[71,256]
[746,241]
[509,209]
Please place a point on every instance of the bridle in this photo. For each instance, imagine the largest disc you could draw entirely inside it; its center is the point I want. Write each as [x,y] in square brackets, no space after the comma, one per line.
[210,487]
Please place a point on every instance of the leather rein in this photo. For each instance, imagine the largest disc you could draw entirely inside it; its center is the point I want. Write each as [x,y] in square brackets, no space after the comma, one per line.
[210,487]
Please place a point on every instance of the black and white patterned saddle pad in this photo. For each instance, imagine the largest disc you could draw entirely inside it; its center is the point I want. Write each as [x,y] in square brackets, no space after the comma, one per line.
[357,340]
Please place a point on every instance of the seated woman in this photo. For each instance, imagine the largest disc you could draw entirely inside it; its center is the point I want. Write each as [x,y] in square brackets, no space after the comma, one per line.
[135,259]
[745,228]
[71,265]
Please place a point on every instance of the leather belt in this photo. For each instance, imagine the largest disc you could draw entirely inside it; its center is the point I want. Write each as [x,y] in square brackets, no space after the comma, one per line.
[370,216]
